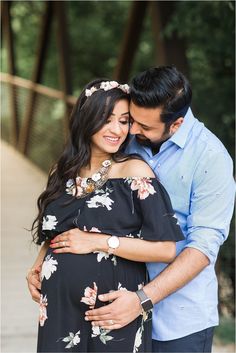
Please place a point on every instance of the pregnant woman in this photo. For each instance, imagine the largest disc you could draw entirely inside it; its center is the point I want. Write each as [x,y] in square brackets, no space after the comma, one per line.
[123,218]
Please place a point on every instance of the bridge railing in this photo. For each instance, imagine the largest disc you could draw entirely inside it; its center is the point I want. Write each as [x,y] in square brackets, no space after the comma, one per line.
[40,135]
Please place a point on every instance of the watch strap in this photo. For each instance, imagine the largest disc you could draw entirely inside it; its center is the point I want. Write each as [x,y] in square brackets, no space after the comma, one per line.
[145,302]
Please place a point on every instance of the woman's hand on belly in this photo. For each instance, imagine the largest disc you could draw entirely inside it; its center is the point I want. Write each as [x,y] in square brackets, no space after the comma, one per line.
[76,241]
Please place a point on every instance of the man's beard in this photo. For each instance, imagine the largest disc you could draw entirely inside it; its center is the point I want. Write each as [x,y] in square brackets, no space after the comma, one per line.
[153,145]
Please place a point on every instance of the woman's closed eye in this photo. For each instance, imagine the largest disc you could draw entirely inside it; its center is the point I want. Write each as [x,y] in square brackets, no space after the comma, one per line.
[124,122]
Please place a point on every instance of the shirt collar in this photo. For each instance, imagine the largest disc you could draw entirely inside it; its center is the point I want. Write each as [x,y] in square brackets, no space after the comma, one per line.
[181,135]
[179,138]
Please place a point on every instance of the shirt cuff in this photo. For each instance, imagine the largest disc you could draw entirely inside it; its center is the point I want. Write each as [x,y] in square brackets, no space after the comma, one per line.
[206,240]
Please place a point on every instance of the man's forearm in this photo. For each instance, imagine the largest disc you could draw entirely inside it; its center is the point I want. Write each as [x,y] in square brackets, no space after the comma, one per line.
[182,270]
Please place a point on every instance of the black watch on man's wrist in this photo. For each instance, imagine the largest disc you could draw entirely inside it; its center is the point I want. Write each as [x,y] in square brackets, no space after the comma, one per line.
[145,302]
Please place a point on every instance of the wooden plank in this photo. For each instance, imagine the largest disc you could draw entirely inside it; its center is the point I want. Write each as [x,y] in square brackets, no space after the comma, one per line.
[8,34]
[36,77]
[130,40]
[38,88]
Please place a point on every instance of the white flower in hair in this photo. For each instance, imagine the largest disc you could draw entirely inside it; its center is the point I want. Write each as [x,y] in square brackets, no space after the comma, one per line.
[106,86]
[124,88]
[114,84]
[89,92]
[93,89]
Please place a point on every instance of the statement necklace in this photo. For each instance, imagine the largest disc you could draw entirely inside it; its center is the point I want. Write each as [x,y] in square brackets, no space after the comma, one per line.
[85,186]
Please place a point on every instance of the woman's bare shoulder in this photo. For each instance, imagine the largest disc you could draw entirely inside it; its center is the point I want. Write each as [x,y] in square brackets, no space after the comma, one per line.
[134,167]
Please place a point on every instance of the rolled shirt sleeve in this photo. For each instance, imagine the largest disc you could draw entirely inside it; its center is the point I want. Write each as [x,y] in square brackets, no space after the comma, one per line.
[212,202]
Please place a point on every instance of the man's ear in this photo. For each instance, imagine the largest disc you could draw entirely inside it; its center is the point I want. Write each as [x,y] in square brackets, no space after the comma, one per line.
[176,124]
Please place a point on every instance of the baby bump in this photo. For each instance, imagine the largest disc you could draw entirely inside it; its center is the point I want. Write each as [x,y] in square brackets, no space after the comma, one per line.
[70,276]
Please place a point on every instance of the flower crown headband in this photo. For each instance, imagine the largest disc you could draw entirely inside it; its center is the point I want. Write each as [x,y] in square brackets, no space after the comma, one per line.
[106,86]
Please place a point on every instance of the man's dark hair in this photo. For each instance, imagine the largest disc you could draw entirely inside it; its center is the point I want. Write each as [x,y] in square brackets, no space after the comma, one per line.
[162,87]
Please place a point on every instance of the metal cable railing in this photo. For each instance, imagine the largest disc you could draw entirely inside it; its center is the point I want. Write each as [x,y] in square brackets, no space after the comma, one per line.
[47,133]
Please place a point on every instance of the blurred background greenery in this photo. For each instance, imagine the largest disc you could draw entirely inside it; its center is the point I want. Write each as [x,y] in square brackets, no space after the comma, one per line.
[96,30]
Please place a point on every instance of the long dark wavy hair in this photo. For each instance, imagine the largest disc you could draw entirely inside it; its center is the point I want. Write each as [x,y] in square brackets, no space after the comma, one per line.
[88,116]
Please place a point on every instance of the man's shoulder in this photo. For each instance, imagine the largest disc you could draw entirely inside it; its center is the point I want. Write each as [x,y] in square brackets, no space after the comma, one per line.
[206,141]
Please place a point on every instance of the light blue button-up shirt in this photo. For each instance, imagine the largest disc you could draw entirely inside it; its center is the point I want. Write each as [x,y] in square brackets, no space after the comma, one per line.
[196,170]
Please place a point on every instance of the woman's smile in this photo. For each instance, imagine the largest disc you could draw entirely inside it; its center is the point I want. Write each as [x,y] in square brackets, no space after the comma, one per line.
[112,140]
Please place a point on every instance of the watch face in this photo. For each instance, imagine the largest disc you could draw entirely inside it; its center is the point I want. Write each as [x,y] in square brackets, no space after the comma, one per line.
[147,305]
[113,242]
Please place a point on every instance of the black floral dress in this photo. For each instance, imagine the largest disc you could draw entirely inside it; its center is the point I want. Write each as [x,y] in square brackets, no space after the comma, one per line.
[134,207]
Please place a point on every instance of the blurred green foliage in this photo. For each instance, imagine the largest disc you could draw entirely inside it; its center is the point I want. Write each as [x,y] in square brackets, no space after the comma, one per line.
[225,332]
[209,30]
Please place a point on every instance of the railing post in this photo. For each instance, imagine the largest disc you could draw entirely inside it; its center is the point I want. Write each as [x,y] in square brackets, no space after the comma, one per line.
[168,50]
[8,34]
[130,40]
[63,56]
[36,78]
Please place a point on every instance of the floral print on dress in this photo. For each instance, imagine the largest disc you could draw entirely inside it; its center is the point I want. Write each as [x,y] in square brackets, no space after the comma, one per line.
[48,267]
[138,340]
[43,309]
[138,337]
[121,207]
[92,230]
[138,235]
[101,199]
[73,339]
[177,221]
[101,254]
[120,287]
[143,185]
[49,222]
[102,333]
[90,296]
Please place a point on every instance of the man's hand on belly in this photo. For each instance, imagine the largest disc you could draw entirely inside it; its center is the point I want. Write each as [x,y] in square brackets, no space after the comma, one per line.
[125,308]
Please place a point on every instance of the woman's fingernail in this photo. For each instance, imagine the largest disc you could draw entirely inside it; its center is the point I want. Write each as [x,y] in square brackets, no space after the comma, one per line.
[101,297]
[86,318]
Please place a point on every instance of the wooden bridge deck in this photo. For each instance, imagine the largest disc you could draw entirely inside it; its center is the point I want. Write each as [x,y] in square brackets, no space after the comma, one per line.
[21,183]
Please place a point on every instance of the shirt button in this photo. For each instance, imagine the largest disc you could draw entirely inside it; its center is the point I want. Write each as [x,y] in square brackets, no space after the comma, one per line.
[151,161]
[158,165]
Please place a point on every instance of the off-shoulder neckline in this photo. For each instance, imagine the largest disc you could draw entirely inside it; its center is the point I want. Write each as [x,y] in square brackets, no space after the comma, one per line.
[124,178]
[131,177]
